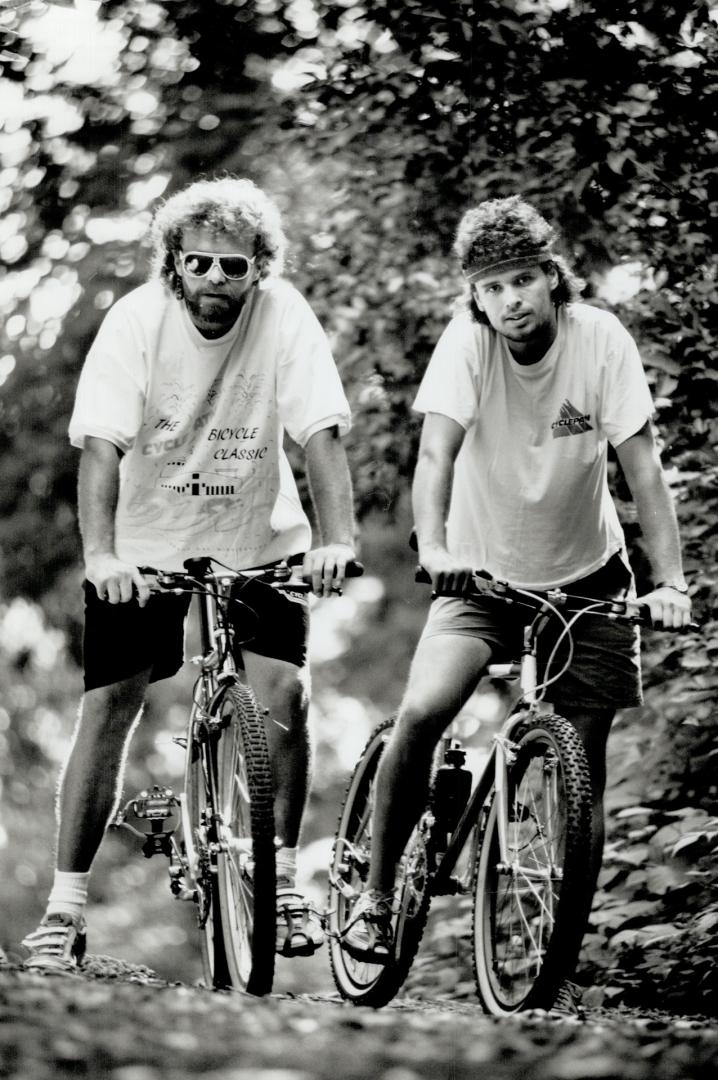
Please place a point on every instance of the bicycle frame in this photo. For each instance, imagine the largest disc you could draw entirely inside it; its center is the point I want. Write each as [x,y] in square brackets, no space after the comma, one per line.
[218,664]
[495,773]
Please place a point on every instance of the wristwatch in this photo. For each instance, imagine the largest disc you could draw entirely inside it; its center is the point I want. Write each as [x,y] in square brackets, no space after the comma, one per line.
[682,589]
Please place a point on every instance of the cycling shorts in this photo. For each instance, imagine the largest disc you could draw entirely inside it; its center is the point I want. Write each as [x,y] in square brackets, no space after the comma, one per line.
[605,671]
[122,640]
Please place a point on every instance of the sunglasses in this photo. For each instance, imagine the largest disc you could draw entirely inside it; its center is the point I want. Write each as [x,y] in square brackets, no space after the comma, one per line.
[199,263]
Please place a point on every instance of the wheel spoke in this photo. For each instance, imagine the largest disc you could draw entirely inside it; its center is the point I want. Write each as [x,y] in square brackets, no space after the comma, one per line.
[525,913]
[245,859]
[359,980]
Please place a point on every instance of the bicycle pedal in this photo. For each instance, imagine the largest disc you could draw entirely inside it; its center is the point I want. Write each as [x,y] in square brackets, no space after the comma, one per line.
[155,805]
[152,816]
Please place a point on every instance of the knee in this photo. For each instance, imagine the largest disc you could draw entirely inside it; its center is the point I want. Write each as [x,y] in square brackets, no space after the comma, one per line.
[417,730]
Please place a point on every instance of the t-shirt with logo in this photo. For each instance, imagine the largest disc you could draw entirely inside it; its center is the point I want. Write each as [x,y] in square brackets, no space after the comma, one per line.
[530,501]
[201,421]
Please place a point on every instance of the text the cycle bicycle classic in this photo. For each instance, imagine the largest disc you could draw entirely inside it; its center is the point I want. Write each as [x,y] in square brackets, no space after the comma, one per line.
[518,843]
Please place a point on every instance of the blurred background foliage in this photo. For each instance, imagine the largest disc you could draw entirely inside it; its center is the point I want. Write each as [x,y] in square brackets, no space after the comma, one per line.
[373,125]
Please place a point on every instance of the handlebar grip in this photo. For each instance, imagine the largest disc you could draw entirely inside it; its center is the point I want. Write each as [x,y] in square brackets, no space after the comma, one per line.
[644,613]
[148,570]
[353,568]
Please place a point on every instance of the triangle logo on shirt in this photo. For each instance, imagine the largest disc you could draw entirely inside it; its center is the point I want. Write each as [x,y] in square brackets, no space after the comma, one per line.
[570,421]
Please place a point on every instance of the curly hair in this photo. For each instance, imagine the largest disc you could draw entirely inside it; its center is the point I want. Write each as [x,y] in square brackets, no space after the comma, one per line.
[501,233]
[225,205]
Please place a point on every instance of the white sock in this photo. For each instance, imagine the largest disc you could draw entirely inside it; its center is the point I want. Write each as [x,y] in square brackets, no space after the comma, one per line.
[68,894]
[287,864]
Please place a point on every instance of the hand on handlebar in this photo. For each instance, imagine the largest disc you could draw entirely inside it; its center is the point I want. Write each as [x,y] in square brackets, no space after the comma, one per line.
[326,567]
[116,581]
[447,575]
[670,609]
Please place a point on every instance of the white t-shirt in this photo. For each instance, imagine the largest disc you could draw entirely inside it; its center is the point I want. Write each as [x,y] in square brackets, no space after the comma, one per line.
[201,424]
[530,500]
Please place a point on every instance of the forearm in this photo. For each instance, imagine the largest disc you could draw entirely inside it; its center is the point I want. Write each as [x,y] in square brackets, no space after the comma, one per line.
[640,461]
[97,494]
[430,493]
[330,488]
[659,526]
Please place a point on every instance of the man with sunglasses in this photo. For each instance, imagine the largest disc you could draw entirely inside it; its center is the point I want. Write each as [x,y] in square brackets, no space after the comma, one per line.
[180,414]
[523,394]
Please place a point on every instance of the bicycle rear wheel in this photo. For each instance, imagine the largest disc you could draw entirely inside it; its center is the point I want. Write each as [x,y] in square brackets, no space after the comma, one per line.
[529,915]
[246,871]
[358,981]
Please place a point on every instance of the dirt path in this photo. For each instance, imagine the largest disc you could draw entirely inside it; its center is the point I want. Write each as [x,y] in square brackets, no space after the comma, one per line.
[124,1023]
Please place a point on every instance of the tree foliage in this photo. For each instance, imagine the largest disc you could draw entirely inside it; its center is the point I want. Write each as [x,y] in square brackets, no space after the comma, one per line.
[583,109]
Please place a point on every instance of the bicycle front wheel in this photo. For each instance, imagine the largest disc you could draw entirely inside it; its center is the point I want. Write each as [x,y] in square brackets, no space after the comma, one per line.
[358,981]
[246,872]
[529,911]
[197,821]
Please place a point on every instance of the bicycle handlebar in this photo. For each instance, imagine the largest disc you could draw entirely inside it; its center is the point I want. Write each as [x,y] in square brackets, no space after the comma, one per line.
[280,575]
[630,611]
[354,568]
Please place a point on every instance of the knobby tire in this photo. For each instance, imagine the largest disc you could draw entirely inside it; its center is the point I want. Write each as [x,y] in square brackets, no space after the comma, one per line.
[528,922]
[246,869]
[198,787]
[361,982]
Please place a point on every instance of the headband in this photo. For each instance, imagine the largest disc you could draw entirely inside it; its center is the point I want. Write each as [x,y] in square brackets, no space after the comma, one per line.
[493,265]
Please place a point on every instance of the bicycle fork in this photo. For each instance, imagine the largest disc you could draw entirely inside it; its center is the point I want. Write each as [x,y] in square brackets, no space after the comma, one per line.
[506,748]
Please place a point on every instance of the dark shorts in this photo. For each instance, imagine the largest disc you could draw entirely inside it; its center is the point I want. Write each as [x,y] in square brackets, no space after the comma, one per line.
[605,671]
[122,640]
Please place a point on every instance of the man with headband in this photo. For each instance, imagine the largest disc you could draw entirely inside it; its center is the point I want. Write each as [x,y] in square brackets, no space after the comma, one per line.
[525,390]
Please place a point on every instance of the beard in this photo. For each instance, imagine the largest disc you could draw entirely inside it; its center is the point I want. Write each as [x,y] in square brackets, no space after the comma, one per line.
[214,315]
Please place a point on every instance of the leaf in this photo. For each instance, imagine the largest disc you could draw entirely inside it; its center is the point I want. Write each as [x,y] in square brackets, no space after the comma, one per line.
[707,922]
[616,161]
[691,839]
[634,811]
[663,878]
[619,914]
[645,935]
[686,58]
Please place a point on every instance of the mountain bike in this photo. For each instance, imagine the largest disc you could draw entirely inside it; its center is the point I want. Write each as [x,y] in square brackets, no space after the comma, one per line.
[518,843]
[219,833]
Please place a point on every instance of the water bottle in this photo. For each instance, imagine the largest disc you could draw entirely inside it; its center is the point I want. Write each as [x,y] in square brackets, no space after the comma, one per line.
[450,792]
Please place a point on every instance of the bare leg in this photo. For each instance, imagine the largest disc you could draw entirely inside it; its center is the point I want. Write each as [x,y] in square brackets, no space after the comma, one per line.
[443,675]
[282,688]
[92,778]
